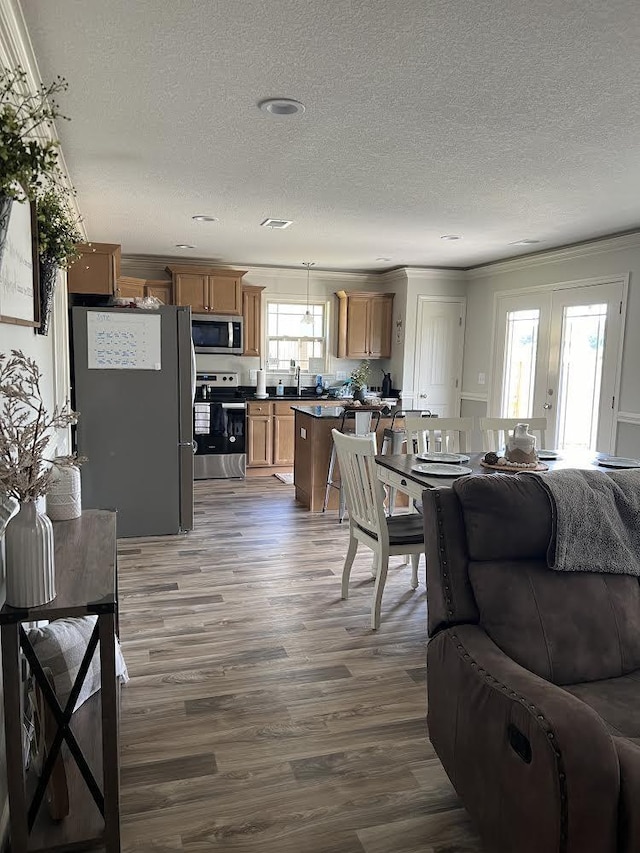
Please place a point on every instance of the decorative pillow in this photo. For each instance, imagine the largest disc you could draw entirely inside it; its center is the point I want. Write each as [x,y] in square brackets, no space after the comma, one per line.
[61,645]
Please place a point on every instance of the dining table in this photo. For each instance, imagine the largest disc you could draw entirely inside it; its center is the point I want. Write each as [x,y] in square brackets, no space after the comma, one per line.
[397,470]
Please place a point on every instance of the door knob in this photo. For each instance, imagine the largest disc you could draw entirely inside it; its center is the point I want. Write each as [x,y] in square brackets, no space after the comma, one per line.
[423,396]
[547,406]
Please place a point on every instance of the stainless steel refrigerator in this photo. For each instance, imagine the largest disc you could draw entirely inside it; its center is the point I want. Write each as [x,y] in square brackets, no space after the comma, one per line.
[133,381]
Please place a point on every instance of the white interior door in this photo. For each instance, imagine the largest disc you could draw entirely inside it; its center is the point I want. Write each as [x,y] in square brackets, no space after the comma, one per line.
[557,356]
[438,366]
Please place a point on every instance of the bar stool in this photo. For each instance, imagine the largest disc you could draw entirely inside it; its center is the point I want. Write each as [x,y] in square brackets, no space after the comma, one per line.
[394,440]
[364,423]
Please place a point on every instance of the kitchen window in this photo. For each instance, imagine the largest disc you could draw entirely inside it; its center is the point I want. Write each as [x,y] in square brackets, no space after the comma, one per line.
[289,339]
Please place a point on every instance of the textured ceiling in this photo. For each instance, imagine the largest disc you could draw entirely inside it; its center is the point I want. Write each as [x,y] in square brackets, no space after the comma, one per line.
[494,121]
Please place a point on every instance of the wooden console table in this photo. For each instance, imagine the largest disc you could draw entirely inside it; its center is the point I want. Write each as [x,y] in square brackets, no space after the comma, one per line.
[86,584]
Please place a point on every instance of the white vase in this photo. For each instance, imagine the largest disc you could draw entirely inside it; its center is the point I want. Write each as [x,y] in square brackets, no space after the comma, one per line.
[522,439]
[64,500]
[30,560]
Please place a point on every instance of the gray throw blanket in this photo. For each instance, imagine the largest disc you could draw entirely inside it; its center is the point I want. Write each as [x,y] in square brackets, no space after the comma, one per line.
[596,521]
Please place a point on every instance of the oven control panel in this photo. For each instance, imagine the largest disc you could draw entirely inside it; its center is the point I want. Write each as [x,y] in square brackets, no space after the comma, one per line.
[218,380]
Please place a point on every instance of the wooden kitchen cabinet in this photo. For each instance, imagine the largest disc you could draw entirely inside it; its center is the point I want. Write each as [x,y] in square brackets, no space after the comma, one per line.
[270,434]
[252,317]
[97,270]
[132,288]
[364,324]
[161,289]
[283,434]
[259,435]
[208,290]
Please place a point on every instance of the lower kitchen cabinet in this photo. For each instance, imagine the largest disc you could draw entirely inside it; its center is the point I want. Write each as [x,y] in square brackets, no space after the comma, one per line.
[283,435]
[270,434]
[259,435]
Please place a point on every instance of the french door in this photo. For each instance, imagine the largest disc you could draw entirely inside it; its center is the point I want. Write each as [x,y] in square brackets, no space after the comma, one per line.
[556,356]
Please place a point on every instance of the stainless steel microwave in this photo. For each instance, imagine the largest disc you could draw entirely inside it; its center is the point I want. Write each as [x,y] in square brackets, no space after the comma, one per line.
[216,333]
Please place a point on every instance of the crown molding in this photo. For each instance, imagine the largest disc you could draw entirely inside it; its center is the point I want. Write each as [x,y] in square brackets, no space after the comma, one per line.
[630,240]
[136,263]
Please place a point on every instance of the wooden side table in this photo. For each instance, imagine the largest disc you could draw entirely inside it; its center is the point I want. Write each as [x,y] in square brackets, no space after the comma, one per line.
[86,584]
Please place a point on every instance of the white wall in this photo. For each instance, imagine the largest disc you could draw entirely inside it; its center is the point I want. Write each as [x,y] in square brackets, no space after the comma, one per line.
[614,257]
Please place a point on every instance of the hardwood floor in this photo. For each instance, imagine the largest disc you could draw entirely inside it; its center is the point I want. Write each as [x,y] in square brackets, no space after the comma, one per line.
[262,713]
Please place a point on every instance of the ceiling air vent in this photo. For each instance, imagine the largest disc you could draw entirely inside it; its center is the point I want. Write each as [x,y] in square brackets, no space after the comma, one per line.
[277,223]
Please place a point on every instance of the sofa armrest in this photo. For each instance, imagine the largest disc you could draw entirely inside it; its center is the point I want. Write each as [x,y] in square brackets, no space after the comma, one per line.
[536,768]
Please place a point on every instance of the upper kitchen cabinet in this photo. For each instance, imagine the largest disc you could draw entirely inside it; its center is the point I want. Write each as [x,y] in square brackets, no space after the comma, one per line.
[161,289]
[364,324]
[208,290]
[252,316]
[97,270]
[131,288]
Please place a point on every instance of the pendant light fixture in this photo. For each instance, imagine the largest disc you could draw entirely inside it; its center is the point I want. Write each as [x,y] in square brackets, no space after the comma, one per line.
[307,320]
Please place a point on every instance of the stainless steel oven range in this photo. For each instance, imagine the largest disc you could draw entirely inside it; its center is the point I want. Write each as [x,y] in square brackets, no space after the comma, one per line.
[219,427]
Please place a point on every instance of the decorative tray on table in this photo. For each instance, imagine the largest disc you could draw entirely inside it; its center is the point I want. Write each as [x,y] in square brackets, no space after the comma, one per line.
[512,466]
[499,463]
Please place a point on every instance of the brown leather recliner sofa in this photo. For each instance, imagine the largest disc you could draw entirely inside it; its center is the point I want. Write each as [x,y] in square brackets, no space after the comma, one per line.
[533,675]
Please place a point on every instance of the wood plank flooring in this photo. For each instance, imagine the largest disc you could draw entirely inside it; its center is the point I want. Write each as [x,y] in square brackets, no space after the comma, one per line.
[262,713]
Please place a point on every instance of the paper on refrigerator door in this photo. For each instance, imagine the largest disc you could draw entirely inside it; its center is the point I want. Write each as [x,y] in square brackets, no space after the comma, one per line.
[123,341]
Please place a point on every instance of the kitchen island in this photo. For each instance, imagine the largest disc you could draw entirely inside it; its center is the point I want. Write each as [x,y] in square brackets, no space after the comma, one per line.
[313,442]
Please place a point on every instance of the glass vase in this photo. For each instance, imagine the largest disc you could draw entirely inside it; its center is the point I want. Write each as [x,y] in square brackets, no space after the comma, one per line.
[30,558]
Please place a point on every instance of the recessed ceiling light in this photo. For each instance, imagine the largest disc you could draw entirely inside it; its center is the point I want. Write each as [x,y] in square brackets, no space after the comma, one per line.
[451,237]
[525,242]
[281,107]
[383,259]
[184,246]
[277,223]
[201,217]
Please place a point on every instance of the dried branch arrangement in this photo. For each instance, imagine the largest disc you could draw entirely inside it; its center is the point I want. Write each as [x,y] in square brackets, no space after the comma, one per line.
[26,429]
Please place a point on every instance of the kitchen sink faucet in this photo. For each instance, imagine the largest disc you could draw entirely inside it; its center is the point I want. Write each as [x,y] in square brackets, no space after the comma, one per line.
[298,380]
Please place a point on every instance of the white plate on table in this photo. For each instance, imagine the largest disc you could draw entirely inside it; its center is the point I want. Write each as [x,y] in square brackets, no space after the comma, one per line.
[548,454]
[454,458]
[440,470]
[619,462]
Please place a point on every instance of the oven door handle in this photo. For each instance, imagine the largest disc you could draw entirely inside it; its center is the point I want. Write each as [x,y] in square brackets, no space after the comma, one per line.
[234,405]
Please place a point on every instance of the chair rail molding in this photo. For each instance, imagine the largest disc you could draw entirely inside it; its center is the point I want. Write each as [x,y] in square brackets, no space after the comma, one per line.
[472,395]
[629,418]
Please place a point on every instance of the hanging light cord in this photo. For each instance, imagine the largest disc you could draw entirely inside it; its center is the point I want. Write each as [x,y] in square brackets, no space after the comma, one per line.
[308,317]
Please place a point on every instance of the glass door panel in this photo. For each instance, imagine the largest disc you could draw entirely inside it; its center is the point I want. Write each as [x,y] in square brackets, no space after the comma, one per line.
[520,358]
[581,361]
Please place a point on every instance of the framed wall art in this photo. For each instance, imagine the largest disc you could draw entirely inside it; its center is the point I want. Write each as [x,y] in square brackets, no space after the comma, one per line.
[19,270]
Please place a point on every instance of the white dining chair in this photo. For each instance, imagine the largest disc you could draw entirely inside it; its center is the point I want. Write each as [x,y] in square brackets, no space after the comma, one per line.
[386,536]
[448,435]
[494,431]
[356,423]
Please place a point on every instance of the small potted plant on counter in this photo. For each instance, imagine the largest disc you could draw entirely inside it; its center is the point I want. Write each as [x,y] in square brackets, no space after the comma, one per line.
[359,380]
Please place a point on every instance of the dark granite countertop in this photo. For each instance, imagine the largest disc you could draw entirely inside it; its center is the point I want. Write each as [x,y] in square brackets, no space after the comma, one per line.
[337,411]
